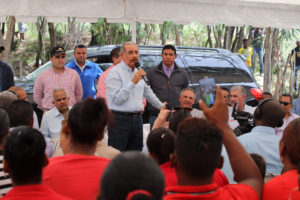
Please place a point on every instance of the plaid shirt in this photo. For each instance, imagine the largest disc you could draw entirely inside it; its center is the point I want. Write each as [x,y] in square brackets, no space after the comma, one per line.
[48,80]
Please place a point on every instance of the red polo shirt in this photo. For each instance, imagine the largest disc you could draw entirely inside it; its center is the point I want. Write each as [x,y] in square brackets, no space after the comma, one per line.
[211,192]
[75,175]
[33,192]
[281,186]
[171,179]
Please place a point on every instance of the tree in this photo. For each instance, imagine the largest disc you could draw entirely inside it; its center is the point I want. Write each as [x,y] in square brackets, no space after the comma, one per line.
[9,38]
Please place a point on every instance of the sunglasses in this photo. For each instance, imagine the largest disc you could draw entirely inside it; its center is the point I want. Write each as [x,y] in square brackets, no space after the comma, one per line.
[284,103]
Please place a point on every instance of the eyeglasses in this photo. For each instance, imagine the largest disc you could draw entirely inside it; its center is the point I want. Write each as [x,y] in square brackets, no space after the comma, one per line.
[60,56]
[284,103]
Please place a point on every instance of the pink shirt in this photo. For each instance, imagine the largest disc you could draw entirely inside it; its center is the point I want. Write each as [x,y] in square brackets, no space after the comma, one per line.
[49,80]
[101,88]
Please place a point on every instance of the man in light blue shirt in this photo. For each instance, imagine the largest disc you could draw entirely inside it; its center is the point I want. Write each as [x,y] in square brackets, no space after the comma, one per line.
[262,139]
[125,91]
[87,70]
[51,122]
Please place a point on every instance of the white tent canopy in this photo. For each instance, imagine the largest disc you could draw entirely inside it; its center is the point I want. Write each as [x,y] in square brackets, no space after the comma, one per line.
[261,13]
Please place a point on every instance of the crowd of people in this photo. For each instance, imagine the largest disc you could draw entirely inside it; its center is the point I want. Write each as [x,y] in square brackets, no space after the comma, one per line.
[189,153]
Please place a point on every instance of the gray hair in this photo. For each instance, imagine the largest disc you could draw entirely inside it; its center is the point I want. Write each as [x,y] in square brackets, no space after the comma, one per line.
[188,89]
[239,88]
[6,98]
[125,44]
[56,90]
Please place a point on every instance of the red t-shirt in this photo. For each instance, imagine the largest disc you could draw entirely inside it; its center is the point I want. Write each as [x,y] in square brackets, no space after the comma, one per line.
[281,186]
[171,179]
[74,175]
[33,192]
[211,192]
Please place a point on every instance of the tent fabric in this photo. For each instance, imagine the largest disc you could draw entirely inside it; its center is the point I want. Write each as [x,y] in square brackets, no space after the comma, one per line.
[260,13]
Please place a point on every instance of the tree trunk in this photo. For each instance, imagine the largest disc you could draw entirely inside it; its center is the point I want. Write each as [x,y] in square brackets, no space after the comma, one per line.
[39,25]
[162,33]
[94,36]
[51,30]
[240,39]
[177,35]
[209,36]
[268,60]
[9,38]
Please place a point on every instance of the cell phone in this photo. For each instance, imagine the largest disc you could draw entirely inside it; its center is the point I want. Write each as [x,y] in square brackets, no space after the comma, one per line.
[208,90]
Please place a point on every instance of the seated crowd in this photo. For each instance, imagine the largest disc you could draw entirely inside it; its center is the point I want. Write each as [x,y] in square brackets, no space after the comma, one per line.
[190,153]
[184,156]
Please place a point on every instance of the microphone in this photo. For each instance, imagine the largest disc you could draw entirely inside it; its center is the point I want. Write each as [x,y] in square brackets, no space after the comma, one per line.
[137,65]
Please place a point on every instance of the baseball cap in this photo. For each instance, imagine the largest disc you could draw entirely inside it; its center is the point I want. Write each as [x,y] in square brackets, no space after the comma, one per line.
[57,50]
[2,48]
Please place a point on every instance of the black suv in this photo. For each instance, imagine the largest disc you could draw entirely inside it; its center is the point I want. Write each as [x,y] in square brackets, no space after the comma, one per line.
[227,68]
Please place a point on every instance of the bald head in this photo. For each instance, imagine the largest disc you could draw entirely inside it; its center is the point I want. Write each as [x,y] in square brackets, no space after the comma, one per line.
[271,113]
[20,92]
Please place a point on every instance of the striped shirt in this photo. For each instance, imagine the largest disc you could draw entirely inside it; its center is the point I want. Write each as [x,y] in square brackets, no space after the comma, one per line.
[49,80]
[5,181]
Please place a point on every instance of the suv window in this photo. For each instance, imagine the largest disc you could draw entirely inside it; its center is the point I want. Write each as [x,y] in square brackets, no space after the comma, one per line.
[217,67]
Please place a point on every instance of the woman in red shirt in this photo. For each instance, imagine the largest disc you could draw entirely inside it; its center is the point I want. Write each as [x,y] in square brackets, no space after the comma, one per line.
[281,186]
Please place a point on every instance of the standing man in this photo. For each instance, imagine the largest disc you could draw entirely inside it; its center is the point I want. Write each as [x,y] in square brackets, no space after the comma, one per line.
[257,44]
[296,53]
[6,74]
[286,102]
[125,91]
[87,70]
[166,80]
[225,93]
[116,59]
[248,52]
[58,76]
[51,122]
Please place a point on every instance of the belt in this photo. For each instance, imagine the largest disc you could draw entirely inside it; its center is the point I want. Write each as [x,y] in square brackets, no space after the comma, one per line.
[127,113]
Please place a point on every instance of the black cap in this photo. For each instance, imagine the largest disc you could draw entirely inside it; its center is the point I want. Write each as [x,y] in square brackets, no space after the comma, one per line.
[2,48]
[57,50]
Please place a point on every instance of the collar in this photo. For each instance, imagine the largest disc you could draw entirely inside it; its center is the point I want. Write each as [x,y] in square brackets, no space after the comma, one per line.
[126,68]
[167,68]
[263,129]
[57,113]
[192,190]
[52,69]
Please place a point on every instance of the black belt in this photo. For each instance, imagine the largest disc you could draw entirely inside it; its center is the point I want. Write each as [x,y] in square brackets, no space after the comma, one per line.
[127,113]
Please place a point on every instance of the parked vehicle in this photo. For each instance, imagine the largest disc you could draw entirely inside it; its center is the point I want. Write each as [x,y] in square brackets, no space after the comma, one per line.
[227,68]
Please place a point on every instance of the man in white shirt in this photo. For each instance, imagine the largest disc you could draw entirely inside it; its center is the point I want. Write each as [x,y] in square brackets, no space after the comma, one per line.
[51,122]
[238,96]
[187,99]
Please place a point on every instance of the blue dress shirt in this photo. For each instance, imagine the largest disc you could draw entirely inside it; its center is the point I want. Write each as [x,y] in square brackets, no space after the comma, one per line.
[123,95]
[261,140]
[91,71]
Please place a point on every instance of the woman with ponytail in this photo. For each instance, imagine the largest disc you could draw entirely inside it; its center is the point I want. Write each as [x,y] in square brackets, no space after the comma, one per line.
[77,173]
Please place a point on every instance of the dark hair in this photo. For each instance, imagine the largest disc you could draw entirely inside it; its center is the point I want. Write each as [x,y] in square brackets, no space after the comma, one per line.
[198,145]
[87,120]
[226,89]
[115,53]
[287,95]
[80,46]
[20,112]
[177,117]
[132,171]
[4,125]
[260,162]
[24,153]
[168,46]
[245,40]
[291,141]
[268,93]
[160,143]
